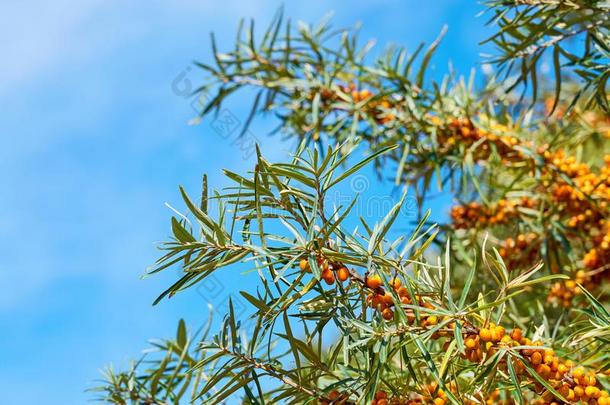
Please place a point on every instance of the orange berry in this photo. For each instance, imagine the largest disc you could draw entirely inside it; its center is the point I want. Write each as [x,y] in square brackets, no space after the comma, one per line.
[485,334]
[536,358]
[432,320]
[405,300]
[333,395]
[470,342]
[592,391]
[381,395]
[395,283]
[578,372]
[543,370]
[377,301]
[342,274]
[328,276]
[373,282]
[516,334]
[387,314]
[387,298]
[304,265]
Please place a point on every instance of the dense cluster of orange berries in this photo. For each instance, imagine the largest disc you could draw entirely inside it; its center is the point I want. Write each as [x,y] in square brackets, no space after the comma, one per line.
[571,382]
[584,202]
[481,344]
[463,132]
[330,271]
[383,301]
[434,395]
[578,197]
[475,215]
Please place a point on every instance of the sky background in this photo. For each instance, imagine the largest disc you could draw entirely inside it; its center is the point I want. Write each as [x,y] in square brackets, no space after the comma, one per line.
[95,141]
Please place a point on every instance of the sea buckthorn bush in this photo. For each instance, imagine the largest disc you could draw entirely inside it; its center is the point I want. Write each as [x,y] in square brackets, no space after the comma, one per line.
[504,302]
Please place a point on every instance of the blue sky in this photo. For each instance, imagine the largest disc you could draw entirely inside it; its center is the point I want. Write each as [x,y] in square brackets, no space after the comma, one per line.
[95,141]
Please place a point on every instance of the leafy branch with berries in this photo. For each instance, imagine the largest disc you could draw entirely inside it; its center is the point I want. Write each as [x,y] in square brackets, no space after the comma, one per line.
[503,303]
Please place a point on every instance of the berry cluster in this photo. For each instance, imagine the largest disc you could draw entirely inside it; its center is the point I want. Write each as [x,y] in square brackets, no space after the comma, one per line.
[477,346]
[576,196]
[572,383]
[330,271]
[520,252]
[582,200]
[380,108]
[564,291]
[463,132]
[382,300]
[432,395]
[475,215]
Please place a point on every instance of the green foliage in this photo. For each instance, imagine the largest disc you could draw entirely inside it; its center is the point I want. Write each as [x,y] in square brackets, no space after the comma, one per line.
[294,312]
[168,378]
[573,36]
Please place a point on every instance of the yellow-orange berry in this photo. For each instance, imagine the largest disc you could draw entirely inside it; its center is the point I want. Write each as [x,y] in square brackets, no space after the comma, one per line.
[592,391]
[432,320]
[373,282]
[485,334]
[578,372]
[304,265]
